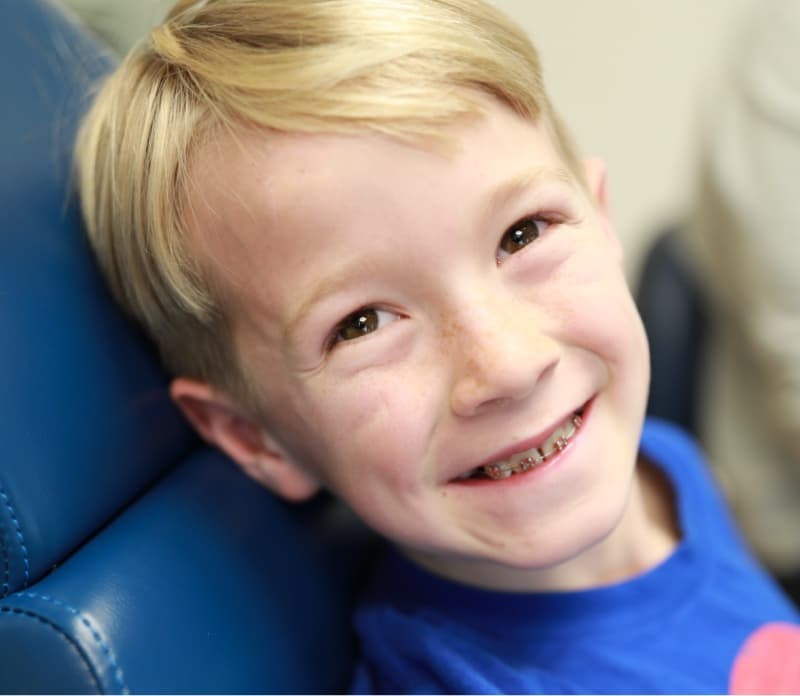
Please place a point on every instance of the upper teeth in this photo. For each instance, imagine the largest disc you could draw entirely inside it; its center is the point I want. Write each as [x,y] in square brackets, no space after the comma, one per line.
[523,461]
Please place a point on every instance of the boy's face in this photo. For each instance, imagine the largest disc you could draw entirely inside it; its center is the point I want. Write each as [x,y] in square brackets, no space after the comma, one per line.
[410,316]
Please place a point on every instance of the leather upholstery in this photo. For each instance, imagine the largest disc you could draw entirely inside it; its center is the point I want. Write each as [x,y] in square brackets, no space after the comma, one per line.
[79,388]
[132,558]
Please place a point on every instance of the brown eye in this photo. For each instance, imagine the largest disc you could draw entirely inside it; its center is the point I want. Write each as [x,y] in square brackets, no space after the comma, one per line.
[365,321]
[519,235]
[357,324]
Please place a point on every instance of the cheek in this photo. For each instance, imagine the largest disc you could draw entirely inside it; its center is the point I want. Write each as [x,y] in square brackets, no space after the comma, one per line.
[618,337]
[369,426]
[614,323]
[595,311]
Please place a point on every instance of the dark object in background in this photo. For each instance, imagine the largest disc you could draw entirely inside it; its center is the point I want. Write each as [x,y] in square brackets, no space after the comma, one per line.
[676,320]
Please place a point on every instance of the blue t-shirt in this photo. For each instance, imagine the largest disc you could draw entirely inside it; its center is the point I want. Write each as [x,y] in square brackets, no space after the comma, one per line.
[706,620]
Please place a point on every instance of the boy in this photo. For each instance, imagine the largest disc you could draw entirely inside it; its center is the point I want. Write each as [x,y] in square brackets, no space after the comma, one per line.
[363,241]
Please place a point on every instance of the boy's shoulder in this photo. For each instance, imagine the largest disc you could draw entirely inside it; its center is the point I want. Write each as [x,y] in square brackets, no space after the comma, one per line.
[678,455]
[664,442]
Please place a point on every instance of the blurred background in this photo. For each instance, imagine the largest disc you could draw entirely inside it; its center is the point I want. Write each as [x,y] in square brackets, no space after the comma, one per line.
[627,75]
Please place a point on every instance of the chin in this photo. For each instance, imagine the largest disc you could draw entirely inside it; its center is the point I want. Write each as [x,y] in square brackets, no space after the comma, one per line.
[587,543]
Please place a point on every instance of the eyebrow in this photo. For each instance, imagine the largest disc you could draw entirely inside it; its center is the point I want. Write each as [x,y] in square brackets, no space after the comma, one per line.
[521,182]
[327,286]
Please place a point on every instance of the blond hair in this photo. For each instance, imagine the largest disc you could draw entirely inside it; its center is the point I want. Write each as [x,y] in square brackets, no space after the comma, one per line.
[404,68]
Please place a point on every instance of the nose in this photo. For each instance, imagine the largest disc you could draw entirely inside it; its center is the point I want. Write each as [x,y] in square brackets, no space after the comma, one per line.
[500,353]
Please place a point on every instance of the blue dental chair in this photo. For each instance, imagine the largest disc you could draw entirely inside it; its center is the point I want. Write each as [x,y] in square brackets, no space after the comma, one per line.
[133,559]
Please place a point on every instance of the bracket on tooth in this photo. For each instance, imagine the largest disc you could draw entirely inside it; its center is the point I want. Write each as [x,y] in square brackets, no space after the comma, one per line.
[500,471]
[529,462]
[496,471]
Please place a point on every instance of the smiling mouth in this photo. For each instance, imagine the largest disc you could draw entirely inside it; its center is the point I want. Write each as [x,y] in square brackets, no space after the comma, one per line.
[529,459]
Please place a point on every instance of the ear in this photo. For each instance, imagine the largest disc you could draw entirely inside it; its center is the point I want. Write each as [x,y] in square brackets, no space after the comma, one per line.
[221,422]
[596,179]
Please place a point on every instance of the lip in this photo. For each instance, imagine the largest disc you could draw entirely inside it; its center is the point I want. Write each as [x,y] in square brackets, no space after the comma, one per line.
[523,446]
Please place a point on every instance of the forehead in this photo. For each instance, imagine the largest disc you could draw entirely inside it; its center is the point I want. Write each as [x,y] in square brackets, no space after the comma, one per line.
[253,175]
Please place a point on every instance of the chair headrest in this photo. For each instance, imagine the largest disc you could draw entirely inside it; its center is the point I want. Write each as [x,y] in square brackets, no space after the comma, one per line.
[85,420]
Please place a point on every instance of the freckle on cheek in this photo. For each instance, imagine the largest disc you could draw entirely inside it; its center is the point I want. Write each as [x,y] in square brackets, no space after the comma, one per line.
[448,329]
[451,335]
[451,329]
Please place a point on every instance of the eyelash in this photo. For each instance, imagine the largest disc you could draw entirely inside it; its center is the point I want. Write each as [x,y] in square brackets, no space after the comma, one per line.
[540,222]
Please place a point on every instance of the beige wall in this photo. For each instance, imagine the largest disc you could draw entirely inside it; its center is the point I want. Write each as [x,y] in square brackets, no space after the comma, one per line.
[120,22]
[627,76]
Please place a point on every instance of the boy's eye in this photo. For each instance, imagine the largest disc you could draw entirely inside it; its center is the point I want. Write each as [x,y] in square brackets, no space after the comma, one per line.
[519,235]
[360,323]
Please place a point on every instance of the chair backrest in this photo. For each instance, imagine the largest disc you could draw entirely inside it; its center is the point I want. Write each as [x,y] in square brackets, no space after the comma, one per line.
[676,320]
[132,558]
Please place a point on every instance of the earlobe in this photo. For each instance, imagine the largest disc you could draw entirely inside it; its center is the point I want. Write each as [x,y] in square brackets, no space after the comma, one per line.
[222,423]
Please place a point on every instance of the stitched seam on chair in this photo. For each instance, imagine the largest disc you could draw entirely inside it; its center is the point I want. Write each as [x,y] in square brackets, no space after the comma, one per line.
[6,563]
[17,611]
[116,670]
[6,555]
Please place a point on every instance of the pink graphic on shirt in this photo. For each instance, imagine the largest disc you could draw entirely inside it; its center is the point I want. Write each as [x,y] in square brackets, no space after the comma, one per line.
[769,662]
